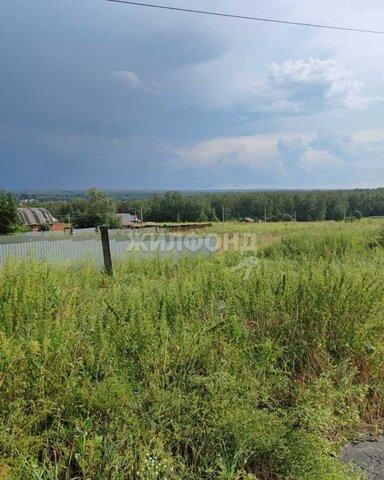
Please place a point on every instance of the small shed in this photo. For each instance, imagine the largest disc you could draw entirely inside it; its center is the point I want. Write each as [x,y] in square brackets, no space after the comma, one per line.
[127,219]
[247,220]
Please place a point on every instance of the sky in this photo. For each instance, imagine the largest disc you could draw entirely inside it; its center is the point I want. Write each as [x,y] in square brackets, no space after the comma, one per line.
[101,94]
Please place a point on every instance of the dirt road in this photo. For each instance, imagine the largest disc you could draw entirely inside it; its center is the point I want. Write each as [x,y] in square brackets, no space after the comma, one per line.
[369,456]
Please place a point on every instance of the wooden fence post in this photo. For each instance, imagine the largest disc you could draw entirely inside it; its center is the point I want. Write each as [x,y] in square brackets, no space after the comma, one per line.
[106,250]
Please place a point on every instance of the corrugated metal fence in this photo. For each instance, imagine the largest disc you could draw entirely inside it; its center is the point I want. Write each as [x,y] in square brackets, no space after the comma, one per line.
[88,249]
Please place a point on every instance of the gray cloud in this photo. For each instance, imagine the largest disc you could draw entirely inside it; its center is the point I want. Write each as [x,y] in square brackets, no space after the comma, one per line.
[94,93]
[311,86]
[335,143]
[293,149]
[133,81]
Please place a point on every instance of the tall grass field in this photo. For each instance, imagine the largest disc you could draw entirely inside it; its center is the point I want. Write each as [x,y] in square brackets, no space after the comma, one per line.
[196,368]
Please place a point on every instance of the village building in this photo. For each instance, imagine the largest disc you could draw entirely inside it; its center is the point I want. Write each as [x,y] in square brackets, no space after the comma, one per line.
[127,220]
[38,219]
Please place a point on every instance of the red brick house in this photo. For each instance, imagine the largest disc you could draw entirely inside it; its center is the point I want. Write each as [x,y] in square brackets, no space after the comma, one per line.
[38,219]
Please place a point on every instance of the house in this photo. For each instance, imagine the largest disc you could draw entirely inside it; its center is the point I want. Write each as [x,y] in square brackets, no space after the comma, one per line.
[247,220]
[39,219]
[127,219]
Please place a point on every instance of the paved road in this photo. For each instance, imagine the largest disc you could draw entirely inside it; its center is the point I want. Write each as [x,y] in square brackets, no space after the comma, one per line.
[369,456]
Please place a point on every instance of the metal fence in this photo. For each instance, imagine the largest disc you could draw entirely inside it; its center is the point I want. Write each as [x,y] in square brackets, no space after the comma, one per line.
[77,249]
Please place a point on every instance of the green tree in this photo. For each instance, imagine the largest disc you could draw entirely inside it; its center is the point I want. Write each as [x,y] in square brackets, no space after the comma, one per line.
[98,209]
[339,211]
[213,217]
[9,218]
[318,208]
[357,214]
[203,218]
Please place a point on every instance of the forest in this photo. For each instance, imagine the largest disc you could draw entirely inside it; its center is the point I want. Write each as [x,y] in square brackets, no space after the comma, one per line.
[302,206]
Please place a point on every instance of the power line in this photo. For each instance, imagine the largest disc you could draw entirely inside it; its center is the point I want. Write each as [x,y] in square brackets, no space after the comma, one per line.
[245,17]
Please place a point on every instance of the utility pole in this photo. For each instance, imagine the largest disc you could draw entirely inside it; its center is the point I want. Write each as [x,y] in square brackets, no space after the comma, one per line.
[106,250]
[223,213]
[141,218]
[265,214]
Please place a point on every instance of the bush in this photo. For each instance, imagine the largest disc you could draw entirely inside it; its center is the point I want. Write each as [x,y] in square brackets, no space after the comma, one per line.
[357,214]
[282,217]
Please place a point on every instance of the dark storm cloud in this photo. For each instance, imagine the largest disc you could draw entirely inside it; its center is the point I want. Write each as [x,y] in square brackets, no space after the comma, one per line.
[105,94]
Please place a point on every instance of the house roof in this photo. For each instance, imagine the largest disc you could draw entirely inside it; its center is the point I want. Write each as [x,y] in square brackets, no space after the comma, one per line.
[35,216]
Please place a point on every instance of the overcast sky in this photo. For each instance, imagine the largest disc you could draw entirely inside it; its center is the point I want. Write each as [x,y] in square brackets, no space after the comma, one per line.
[101,94]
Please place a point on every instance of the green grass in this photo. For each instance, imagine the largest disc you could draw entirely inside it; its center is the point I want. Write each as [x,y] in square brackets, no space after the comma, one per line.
[269,233]
[194,370]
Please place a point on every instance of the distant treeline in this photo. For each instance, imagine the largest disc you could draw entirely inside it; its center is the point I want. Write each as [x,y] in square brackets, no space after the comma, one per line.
[270,206]
[67,195]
